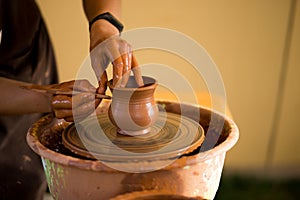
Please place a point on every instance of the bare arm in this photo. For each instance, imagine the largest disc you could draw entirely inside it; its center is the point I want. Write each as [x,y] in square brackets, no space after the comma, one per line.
[101,29]
[18,101]
[93,8]
[15,100]
[120,51]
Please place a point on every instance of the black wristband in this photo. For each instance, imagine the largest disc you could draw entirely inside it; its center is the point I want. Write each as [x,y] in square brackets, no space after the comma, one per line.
[110,18]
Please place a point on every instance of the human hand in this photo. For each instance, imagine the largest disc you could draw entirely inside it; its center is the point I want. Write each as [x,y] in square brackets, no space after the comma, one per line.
[107,47]
[80,103]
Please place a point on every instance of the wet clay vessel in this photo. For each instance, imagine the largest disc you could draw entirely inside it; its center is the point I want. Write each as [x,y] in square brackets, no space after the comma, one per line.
[196,174]
[133,109]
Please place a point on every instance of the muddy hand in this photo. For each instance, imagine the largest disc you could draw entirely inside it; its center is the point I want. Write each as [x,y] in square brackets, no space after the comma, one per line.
[79,105]
[118,52]
[123,62]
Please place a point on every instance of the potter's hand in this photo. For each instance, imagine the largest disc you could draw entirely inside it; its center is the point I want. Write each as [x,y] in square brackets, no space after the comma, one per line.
[79,105]
[107,47]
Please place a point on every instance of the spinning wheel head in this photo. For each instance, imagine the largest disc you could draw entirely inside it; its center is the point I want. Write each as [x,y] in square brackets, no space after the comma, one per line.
[171,136]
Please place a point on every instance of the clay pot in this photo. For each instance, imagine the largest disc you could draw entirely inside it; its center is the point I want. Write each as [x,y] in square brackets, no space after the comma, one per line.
[196,174]
[133,109]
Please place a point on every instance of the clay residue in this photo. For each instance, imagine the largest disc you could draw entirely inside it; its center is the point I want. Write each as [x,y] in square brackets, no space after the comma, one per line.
[215,131]
[158,180]
[51,136]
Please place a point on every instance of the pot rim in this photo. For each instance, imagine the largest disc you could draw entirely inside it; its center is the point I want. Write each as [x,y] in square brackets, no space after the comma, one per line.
[151,85]
[96,165]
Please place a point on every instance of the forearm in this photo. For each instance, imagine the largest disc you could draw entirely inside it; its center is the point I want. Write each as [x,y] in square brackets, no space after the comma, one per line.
[93,8]
[15,100]
[101,29]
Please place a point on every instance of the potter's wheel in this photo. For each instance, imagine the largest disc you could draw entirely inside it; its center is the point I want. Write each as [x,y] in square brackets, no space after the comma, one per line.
[96,137]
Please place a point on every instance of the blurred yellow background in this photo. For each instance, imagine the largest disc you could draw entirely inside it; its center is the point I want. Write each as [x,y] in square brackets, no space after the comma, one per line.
[255,45]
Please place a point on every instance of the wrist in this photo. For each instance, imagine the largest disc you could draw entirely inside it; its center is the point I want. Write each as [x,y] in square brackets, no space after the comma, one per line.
[100,31]
[109,18]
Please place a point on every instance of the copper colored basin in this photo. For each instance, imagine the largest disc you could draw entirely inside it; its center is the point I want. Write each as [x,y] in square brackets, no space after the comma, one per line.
[153,195]
[196,174]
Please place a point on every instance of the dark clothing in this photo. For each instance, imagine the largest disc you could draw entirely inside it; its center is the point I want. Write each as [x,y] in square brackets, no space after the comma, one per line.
[26,55]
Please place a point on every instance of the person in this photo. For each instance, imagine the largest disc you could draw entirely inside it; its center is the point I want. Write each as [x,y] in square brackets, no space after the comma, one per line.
[26,59]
